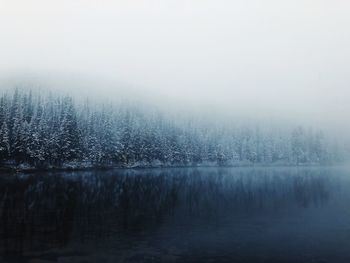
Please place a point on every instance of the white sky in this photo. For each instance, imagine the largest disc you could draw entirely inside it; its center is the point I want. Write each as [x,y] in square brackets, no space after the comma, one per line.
[279,57]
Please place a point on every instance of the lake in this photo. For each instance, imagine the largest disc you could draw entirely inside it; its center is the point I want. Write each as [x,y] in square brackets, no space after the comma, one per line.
[177,215]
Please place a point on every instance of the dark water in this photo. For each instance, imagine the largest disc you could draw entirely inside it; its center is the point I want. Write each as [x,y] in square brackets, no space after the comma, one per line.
[177,215]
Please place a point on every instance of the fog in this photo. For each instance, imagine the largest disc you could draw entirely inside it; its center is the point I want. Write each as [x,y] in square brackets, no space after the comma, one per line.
[283,59]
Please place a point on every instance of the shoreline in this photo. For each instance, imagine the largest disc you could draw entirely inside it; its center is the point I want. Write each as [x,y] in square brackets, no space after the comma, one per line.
[32,170]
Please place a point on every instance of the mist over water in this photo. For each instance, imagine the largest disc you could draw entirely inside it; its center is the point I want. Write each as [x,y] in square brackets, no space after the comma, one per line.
[174,131]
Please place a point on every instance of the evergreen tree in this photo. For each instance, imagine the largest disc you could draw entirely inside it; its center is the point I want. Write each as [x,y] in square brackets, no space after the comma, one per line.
[4,142]
[46,131]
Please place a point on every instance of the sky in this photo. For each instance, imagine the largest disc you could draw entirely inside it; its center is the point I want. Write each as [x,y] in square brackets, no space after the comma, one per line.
[272,57]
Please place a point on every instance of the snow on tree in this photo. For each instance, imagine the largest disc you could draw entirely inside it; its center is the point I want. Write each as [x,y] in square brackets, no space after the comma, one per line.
[46,131]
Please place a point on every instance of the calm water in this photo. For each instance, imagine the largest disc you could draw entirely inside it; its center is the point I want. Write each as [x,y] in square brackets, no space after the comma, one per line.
[177,215]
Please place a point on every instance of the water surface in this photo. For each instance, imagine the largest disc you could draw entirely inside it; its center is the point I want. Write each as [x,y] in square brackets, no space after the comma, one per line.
[177,215]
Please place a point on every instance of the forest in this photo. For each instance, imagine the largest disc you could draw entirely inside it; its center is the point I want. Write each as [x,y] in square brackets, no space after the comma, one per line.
[54,131]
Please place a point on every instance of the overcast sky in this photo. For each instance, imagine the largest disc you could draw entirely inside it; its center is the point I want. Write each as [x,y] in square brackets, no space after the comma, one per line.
[272,56]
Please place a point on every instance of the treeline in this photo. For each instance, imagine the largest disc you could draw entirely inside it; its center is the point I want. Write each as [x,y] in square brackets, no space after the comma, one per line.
[54,131]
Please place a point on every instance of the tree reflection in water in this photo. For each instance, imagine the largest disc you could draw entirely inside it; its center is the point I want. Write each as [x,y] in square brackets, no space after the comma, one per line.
[44,211]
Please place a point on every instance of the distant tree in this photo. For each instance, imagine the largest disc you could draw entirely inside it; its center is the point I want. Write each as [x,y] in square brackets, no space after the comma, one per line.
[299,154]
[69,134]
[48,130]
[4,142]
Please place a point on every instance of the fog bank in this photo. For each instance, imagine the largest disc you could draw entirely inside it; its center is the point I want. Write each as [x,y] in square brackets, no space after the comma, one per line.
[271,59]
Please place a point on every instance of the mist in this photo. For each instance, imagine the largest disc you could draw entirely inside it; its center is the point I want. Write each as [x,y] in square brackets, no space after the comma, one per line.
[174,131]
[271,59]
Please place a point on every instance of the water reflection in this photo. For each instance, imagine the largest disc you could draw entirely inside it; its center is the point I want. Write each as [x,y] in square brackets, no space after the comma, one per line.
[42,212]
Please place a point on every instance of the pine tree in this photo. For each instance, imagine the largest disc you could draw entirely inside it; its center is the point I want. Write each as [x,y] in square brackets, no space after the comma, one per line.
[4,142]
[49,130]
[69,134]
